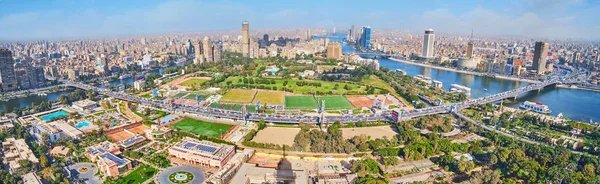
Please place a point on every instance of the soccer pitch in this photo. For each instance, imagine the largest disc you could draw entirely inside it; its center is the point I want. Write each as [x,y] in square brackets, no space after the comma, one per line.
[202,127]
[269,97]
[335,102]
[300,102]
[239,96]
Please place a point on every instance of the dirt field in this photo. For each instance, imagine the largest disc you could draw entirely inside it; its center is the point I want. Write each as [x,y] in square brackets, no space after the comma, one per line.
[360,101]
[119,136]
[269,97]
[138,129]
[239,96]
[277,135]
[373,132]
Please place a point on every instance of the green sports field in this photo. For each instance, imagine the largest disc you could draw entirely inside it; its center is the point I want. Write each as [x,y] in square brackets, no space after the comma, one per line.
[179,95]
[300,102]
[335,102]
[202,127]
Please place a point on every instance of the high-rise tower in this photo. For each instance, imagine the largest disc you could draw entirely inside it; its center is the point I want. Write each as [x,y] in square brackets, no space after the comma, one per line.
[8,80]
[308,35]
[365,38]
[245,39]
[208,53]
[539,57]
[198,53]
[428,41]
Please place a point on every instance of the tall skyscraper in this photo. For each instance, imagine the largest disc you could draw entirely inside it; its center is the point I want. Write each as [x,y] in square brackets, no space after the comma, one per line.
[207,52]
[365,38]
[8,80]
[539,57]
[198,53]
[353,32]
[245,39]
[334,30]
[266,37]
[216,52]
[308,35]
[428,41]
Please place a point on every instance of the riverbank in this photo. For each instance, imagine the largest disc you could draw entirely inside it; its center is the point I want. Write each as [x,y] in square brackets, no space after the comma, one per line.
[576,87]
[462,71]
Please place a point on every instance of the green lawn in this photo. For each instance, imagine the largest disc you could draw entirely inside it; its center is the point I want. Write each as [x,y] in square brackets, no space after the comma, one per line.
[227,106]
[193,82]
[179,95]
[325,88]
[300,102]
[335,102]
[192,96]
[139,175]
[376,81]
[238,107]
[215,105]
[202,127]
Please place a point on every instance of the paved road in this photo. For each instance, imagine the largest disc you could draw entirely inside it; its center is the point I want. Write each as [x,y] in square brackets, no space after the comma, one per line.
[293,119]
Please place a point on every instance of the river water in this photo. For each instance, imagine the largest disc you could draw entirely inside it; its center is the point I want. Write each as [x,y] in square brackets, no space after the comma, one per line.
[8,106]
[572,103]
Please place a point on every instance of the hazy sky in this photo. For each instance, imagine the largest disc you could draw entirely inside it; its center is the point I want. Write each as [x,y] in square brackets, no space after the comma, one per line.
[49,19]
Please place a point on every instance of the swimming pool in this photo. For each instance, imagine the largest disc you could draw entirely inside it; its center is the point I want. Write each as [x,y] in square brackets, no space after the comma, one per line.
[56,114]
[82,124]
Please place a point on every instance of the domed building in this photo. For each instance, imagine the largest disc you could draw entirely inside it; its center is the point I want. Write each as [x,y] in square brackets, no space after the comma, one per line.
[470,63]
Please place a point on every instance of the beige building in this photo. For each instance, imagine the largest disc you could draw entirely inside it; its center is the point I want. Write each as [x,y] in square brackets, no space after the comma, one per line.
[16,150]
[334,51]
[203,153]
[113,166]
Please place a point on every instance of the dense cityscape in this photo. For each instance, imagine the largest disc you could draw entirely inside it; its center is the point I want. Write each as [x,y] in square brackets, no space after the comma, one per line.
[313,104]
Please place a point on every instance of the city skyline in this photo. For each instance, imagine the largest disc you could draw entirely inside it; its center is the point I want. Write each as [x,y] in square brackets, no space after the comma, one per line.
[524,18]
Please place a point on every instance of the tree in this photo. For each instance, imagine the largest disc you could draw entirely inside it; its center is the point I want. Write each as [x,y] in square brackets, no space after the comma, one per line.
[465,165]
[485,177]
[44,161]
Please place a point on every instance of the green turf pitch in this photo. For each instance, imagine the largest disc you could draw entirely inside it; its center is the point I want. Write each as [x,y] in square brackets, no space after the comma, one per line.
[202,127]
[335,102]
[300,102]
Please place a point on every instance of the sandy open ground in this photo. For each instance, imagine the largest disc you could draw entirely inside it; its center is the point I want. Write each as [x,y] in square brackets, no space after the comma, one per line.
[373,132]
[119,136]
[277,135]
[138,129]
[360,101]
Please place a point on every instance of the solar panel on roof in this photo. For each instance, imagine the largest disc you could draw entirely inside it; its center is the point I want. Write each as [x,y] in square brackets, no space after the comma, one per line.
[206,148]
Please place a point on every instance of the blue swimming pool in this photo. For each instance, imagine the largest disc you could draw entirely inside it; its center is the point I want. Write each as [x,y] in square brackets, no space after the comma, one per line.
[56,114]
[82,124]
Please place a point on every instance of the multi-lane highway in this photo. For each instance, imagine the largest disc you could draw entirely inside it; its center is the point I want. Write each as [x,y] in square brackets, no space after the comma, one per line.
[220,113]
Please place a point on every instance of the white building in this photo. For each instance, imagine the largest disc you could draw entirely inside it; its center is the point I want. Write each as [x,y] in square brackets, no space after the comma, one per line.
[139,85]
[428,41]
[55,130]
[84,105]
